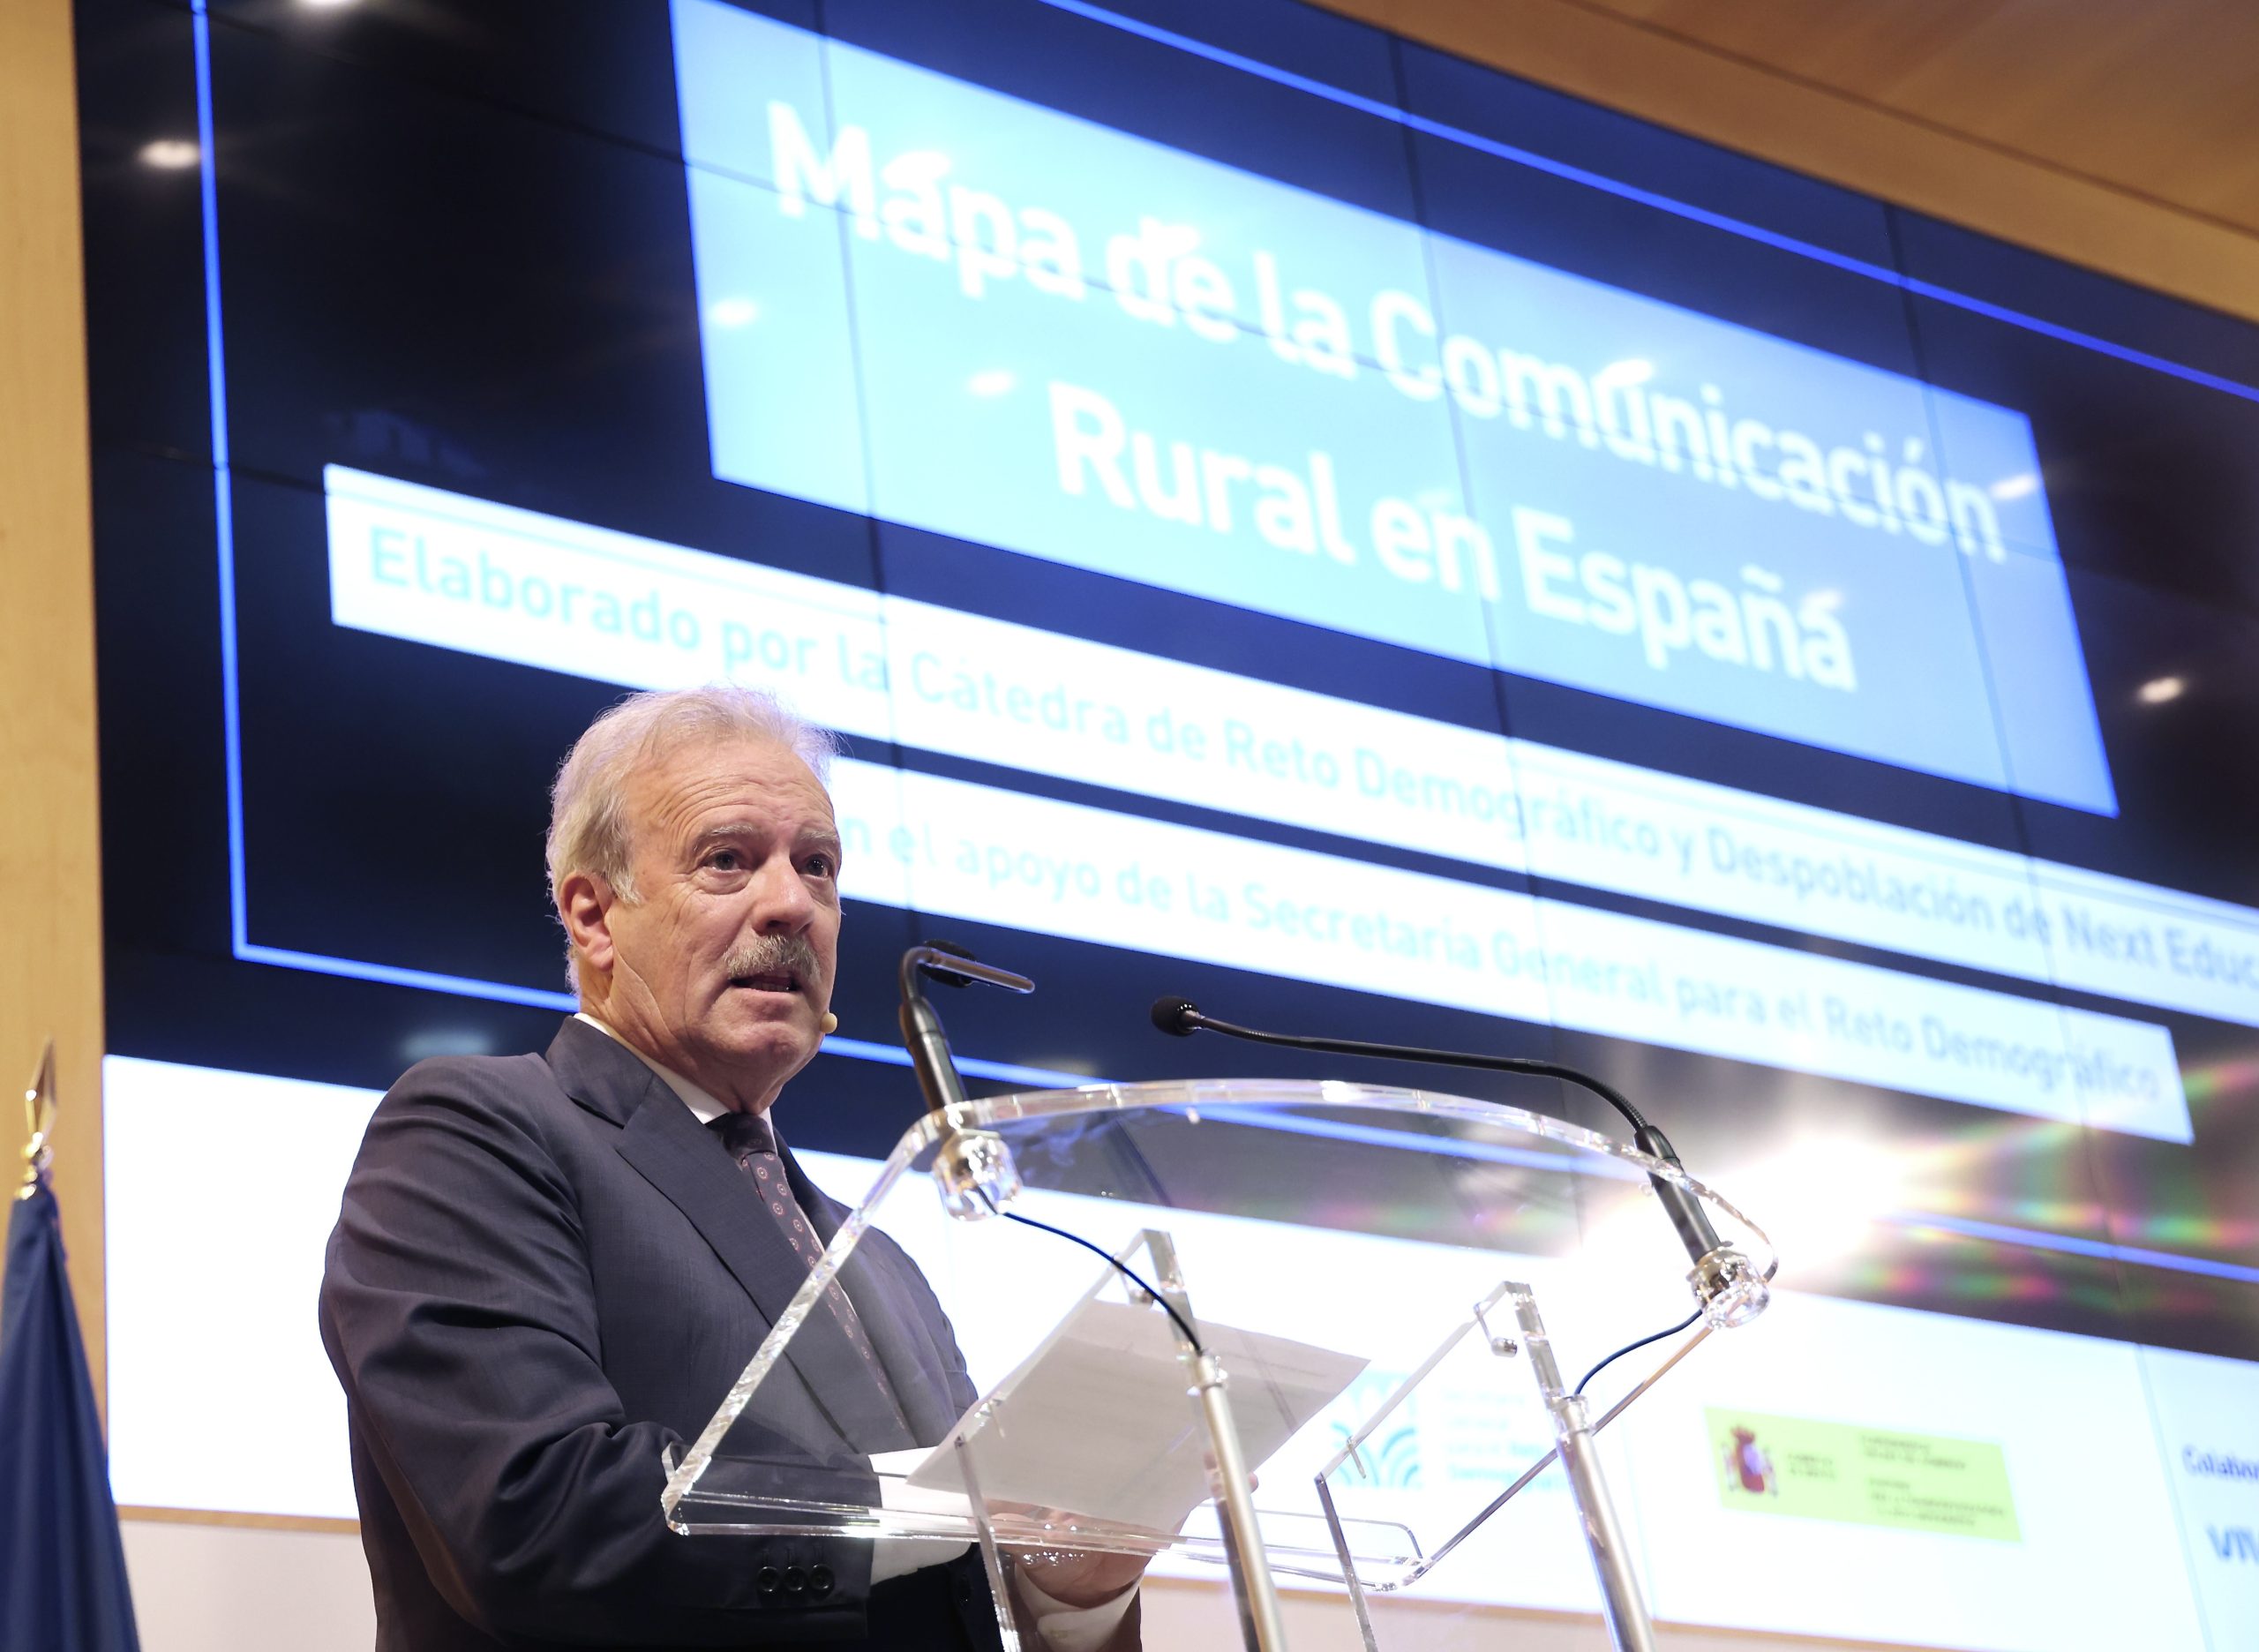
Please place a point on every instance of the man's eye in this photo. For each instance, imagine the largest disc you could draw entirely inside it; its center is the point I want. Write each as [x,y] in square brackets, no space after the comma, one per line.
[823,865]
[725,861]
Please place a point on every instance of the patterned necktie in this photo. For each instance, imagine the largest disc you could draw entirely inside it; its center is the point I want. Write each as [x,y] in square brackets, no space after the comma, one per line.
[753,1144]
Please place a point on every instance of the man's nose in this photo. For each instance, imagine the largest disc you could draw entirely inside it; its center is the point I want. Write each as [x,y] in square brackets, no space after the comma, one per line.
[781,903]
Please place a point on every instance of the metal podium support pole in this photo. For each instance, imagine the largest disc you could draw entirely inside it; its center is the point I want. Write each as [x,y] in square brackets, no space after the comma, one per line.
[1628,1624]
[1253,1587]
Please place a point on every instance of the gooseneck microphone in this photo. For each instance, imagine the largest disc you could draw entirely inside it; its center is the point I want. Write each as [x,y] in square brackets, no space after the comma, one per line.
[972,1168]
[1730,1290]
[922,1034]
[1181,1017]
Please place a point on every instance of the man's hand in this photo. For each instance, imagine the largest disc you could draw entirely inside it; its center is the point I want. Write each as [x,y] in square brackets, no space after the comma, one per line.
[1080,1577]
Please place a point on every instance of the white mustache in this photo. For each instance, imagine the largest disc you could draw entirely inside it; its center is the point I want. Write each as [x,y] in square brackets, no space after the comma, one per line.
[775,955]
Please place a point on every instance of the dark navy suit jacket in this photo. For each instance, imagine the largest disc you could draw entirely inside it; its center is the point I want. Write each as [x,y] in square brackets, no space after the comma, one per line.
[545,1272]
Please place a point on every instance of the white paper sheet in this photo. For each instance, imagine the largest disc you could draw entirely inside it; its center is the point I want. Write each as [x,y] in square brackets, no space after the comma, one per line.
[1098,1421]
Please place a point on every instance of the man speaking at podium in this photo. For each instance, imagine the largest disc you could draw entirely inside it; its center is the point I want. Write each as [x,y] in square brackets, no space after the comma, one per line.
[549,1268]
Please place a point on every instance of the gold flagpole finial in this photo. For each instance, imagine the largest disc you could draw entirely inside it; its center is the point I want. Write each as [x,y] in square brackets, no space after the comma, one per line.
[39,1121]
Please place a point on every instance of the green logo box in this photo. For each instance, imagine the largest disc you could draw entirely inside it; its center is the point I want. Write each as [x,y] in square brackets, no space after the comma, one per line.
[1808,1469]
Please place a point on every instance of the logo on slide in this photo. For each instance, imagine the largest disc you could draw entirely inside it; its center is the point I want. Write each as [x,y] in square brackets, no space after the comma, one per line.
[1749,1466]
[1805,1468]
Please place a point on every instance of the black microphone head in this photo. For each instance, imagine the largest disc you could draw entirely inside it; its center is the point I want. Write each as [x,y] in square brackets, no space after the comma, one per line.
[942,972]
[1176,1017]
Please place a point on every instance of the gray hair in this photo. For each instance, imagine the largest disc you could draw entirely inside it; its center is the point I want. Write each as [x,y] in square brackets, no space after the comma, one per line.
[588,807]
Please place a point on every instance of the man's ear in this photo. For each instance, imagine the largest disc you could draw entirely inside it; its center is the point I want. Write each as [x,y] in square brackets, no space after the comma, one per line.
[584,902]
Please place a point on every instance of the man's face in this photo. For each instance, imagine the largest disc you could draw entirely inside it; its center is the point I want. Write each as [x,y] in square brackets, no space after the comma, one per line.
[723,970]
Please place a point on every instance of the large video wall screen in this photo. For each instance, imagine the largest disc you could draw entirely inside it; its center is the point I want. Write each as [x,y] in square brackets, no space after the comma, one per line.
[1276,513]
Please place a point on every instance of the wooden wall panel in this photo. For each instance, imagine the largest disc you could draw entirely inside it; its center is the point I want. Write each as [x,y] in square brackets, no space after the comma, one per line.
[1621,57]
[2159,99]
[50,893]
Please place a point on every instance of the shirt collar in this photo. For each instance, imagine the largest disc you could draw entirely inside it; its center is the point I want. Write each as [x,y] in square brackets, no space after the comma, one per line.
[699,1102]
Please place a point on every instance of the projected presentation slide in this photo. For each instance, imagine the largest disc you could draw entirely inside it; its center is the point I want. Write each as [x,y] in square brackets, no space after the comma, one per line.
[1274,514]
[1207,381]
[2019,1474]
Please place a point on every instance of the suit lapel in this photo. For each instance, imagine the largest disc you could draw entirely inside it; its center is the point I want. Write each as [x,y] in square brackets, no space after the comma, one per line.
[666,1144]
[898,1322]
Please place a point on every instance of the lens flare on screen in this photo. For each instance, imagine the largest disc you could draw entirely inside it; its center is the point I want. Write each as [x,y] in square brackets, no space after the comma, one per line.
[1820,1197]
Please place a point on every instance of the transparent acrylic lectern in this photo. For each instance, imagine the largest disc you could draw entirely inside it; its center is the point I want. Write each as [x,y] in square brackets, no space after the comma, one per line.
[1375,1302]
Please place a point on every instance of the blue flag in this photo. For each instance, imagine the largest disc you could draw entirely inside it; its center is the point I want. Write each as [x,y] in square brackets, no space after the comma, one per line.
[62,1563]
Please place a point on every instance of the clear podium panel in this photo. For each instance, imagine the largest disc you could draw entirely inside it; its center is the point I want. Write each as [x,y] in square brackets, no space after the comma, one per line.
[1338,1266]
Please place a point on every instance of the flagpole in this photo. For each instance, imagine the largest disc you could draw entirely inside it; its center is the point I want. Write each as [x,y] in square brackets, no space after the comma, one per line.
[39,1124]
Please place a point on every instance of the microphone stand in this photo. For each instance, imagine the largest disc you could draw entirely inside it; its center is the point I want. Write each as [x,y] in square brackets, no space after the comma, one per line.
[973,1168]
[1728,1288]
[974,1171]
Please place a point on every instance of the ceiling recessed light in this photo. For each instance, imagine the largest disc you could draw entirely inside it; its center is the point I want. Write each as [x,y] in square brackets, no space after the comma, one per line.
[732,313]
[170,153]
[2158,690]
